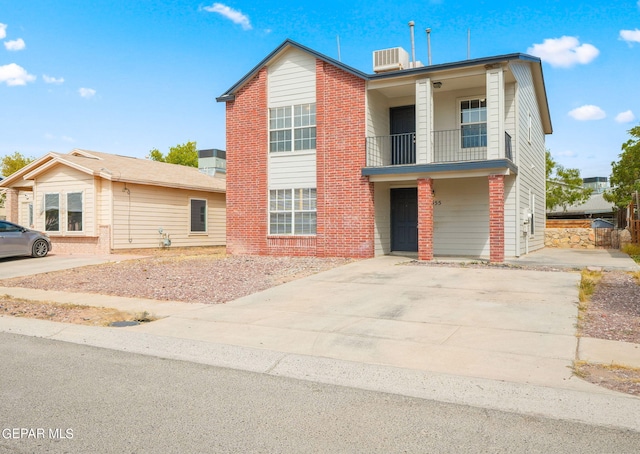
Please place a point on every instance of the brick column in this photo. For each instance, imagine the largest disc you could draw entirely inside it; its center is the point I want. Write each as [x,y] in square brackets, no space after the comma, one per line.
[425,219]
[11,205]
[496,218]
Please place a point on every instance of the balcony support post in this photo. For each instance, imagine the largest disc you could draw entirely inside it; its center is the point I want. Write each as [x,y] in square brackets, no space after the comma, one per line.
[425,219]
[424,121]
[495,112]
[496,218]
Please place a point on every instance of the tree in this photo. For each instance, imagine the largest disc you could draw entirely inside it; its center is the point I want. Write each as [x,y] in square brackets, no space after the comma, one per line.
[11,163]
[625,174]
[184,155]
[564,186]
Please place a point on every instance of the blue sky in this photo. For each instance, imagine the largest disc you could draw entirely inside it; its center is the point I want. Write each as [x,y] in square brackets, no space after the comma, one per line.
[126,77]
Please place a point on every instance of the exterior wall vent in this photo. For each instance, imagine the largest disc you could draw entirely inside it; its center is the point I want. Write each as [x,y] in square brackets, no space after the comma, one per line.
[394,59]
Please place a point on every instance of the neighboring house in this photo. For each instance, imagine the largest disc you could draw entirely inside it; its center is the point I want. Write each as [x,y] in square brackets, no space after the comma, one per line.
[443,160]
[595,207]
[90,202]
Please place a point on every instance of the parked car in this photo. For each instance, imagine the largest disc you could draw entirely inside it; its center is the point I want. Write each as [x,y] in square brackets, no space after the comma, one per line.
[16,240]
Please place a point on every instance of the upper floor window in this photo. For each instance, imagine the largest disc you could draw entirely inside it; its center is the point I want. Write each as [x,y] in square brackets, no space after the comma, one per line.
[473,123]
[292,128]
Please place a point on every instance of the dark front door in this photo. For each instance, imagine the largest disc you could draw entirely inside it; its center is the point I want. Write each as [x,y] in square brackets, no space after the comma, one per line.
[403,135]
[404,219]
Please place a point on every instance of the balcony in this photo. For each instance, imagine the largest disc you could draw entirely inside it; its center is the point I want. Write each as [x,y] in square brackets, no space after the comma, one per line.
[450,146]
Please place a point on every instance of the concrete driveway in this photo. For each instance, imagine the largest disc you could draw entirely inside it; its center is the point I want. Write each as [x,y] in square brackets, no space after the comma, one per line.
[26,266]
[506,324]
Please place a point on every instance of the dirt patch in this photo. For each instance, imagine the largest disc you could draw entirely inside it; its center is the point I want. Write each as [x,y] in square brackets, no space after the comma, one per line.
[615,377]
[67,313]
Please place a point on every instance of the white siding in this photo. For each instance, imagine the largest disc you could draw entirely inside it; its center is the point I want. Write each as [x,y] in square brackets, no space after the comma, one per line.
[461,217]
[378,121]
[423,121]
[529,156]
[382,227]
[495,114]
[292,170]
[64,180]
[511,230]
[139,213]
[292,79]
[446,115]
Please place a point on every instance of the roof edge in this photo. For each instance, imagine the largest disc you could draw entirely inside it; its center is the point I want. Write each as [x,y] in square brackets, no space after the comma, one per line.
[229,95]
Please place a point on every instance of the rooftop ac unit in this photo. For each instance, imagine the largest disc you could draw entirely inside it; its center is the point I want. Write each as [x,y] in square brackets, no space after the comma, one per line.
[393,59]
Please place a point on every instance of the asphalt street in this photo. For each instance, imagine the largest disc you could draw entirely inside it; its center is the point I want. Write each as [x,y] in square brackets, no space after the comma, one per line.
[62,397]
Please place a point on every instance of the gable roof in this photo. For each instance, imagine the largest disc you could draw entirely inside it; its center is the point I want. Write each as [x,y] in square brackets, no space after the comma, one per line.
[535,63]
[121,168]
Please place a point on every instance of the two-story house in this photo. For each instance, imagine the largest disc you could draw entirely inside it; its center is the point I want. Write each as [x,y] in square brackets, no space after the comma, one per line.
[442,160]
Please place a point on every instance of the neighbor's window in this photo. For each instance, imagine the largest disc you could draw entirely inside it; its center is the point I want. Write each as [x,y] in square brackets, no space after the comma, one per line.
[292,128]
[74,212]
[198,215]
[292,211]
[52,212]
[473,123]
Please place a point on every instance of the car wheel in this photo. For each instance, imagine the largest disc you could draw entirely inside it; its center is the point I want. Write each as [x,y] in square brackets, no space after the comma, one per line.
[40,248]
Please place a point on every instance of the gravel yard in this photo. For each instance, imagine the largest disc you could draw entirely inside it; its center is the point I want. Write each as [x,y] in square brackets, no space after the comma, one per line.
[201,275]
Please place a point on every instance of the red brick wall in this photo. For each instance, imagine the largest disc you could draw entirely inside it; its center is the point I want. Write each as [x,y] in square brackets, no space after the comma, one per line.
[345,197]
[12,205]
[247,142]
[345,210]
[496,218]
[425,219]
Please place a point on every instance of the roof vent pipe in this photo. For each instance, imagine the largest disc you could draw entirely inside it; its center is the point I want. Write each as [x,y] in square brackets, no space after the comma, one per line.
[428,30]
[413,45]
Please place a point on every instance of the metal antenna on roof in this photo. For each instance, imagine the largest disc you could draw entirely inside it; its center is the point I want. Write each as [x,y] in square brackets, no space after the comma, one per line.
[338,40]
[468,44]
[413,46]
[428,30]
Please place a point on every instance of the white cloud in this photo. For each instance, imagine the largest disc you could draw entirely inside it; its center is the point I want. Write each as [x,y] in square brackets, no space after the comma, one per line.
[630,36]
[564,52]
[625,117]
[3,31]
[235,16]
[13,74]
[50,136]
[567,154]
[588,112]
[52,80]
[87,92]
[16,44]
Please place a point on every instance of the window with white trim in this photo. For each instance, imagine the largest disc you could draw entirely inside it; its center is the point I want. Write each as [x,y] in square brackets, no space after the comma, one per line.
[74,212]
[52,212]
[198,215]
[292,211]
[292,128]
[473,123]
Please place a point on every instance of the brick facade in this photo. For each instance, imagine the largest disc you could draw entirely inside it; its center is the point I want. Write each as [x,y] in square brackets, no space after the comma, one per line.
[425,219]
[345,197]
[247,142]
[496,218]
[345,213]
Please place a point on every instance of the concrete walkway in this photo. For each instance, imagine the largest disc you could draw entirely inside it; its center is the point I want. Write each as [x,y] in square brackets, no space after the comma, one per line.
[495,337]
